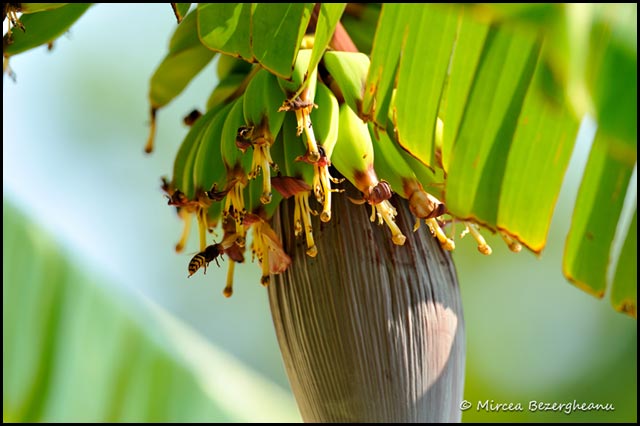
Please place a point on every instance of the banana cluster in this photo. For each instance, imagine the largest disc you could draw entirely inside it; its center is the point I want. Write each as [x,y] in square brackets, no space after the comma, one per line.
[264,139]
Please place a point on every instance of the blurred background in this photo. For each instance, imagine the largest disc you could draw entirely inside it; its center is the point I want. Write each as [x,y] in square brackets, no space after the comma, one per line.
[75,122]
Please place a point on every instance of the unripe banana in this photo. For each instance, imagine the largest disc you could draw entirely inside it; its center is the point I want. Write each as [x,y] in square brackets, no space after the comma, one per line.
[226,90]
[353,153]
[326,118]
[185,158]
[391,165]
[294,85]
[237,165]
[182,189]
[209,173]
[263,120]
[300,92]
[348,76]
[409,175]
[229,65]
[208,168]
[353,156]
[297,181]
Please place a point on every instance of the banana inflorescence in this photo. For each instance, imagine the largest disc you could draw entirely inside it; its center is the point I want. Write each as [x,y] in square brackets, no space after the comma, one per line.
[264,138]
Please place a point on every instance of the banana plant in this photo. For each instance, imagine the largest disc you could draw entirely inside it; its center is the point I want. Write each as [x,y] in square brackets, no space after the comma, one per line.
[455,115]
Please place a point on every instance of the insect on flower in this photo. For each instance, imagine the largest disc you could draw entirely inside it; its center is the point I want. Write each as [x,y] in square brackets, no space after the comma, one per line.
[203,258]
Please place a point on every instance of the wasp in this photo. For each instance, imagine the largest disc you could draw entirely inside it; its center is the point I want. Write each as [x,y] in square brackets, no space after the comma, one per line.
[203,258]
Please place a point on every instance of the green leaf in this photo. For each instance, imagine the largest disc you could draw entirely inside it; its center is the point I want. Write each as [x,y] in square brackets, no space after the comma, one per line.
[536,164]
[42,27]
[624,291]
[186,58]
[328,17]
[470,39]
[479,156]
[76,349]
[385,57]
[423,65]
[226,28]
[595,216]
[276,33]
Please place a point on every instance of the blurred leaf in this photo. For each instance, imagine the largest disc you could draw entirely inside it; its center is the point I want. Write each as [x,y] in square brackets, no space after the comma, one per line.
[74,353]
[596,214]
[186,58]
[479,156]
[624,291]
[42,27]
[537,161]
[39,7]
[612,70]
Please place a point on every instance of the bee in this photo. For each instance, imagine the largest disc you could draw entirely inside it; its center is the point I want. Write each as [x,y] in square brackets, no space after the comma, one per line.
[203,258]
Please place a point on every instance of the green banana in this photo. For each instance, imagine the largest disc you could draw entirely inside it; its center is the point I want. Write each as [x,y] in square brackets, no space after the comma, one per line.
[353,156]
[300,92]
[233,75]
[185,59]
[297,181]
[226,90]
[392,167]
[263,120]
[181,190]
[182,179]
[209,172]
[208,167]
[228,65]
[237,165]
[347,76]
[326,118]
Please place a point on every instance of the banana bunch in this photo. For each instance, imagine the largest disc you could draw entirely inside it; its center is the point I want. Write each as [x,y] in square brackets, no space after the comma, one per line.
[262,132]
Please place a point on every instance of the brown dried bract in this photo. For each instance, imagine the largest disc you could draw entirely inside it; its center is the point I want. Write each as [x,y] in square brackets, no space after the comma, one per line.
[296,105]
[379,193]
[289,186]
